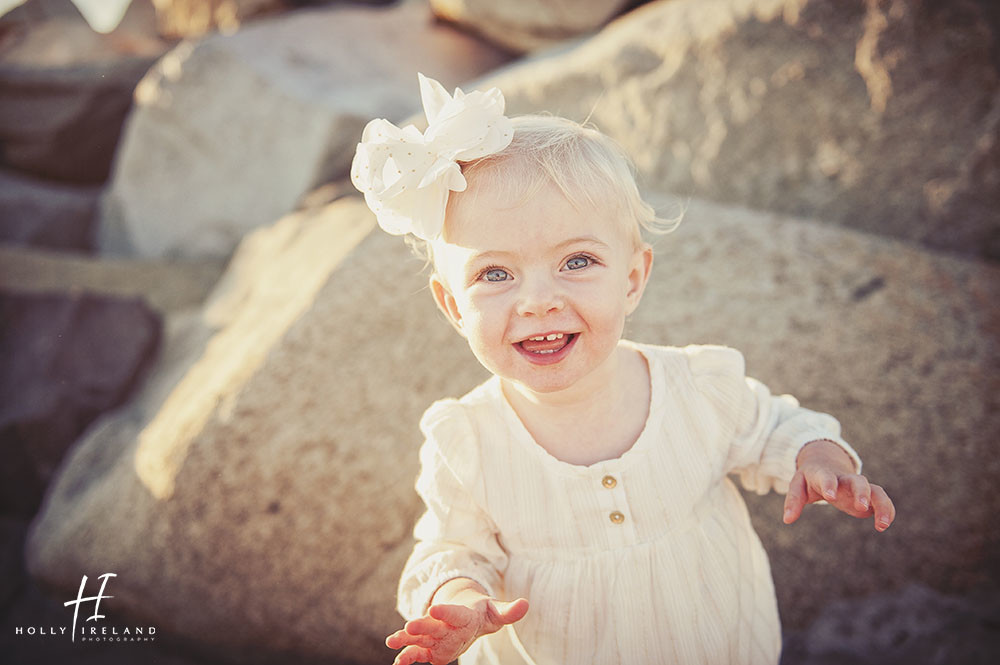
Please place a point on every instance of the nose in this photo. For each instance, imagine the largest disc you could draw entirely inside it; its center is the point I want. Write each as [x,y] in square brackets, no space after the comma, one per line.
[539,296]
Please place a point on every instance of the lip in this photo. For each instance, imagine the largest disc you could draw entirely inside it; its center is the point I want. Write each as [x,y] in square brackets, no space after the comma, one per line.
[548,358]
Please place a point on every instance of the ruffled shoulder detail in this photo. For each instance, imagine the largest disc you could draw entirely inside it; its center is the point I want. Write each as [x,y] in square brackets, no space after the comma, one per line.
[711,359]
[450,435]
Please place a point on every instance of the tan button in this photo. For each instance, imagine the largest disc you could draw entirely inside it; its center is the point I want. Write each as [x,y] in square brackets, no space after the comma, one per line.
[609,482]
[617,517]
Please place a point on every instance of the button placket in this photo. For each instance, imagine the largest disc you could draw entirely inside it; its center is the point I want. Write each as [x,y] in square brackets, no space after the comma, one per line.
[609,482]
[614,507]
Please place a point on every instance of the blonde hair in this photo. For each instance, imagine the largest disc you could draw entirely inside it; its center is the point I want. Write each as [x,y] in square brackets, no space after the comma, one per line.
[588,167]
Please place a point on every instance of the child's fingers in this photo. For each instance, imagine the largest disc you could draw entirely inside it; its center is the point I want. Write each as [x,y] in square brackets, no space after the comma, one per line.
[426,626]
[401,638]
[512,611]
[795,499]
[453,615]
[824,483]
[861,493]
[412,654]
[885,511]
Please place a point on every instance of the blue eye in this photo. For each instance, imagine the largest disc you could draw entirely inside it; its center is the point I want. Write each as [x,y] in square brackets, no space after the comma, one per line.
[496,275]
[578,262]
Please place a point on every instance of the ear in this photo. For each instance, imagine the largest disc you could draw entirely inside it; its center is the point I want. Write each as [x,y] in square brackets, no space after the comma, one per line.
[639,269]
[446,302]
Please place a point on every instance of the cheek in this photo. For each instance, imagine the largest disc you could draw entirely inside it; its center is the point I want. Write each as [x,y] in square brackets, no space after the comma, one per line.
[605,302]
[482,316]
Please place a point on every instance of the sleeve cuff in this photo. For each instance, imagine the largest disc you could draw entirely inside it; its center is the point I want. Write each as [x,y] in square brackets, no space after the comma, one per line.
[419,599]
[846,447]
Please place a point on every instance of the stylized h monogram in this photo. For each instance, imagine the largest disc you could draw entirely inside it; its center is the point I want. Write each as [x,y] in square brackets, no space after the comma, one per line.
[81,599]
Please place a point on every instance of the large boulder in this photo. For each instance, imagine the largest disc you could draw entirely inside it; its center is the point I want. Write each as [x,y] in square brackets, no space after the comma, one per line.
[64,359]
[39,11]
[257,496]
[900,343]
[906,627]
[528,25]
[12,577]
[231,131]
[318,515]
[195,18]
[65,91]
[165,286]
[45,214]
[882,116]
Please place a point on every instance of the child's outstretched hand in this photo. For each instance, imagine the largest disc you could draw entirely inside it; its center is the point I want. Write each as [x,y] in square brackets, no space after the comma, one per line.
[826,473]
[447,630]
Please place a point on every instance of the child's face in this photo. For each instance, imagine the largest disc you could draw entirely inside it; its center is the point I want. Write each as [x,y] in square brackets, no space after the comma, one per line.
[507,277]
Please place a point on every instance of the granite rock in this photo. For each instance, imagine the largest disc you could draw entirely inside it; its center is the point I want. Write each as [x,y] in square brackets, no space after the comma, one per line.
[902,345]
[46,214]
[524,25]
[64,359]
[267,466]
[165,286]
[195,18]
[912,626]
[231,131]
[178,19]
[65,91]
[881,116]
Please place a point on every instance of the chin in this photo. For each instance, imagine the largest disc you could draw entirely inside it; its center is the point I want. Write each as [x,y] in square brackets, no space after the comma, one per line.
[547,381]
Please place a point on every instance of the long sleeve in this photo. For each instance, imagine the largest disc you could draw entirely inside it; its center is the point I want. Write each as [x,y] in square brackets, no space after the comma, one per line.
[455,538]
[768,431]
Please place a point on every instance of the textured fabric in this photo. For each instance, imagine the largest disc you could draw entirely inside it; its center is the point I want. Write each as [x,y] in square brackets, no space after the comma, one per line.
[681,579]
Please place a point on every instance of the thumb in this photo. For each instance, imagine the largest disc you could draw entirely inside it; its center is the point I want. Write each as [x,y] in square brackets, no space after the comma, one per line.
[512,611]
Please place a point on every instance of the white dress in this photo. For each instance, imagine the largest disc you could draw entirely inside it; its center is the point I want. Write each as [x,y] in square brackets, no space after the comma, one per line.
[642,559]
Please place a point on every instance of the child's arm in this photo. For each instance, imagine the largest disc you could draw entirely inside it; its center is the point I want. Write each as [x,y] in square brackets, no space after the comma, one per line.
[448,584]
[777,444]
[824,472]
[460,612]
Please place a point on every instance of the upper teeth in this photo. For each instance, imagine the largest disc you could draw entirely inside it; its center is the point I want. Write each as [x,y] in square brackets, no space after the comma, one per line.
[542,338]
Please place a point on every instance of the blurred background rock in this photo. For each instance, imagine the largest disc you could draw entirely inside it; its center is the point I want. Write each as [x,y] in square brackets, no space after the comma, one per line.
[212,372]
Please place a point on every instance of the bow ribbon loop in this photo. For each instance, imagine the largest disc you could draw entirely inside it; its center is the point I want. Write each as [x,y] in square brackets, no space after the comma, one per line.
[406,175]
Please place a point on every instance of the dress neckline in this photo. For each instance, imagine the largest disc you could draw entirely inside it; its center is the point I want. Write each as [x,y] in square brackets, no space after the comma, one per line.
[627,458]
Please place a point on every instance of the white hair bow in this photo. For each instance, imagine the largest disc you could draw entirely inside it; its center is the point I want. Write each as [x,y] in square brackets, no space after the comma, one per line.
[406,176]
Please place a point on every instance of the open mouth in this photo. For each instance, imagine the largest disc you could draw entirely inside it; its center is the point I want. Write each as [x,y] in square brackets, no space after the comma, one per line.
[548,348]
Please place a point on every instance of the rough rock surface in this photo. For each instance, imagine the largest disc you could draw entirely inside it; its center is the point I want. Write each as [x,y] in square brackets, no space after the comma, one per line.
[901,344]
[524,25]
[64,123]
[267,466]
[38,11]
[914,626]
[23,605]
[881,115]
[311,517]
[45,214]
[64,359]
[65,91]
[194,18]
[231,131]
[12,577]
[165,286]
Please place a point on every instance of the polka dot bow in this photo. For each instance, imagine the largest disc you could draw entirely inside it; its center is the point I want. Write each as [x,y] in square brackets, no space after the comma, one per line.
[406,176]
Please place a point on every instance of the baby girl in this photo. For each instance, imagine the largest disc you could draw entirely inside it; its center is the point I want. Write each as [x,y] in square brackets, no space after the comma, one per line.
[589,475]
